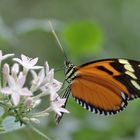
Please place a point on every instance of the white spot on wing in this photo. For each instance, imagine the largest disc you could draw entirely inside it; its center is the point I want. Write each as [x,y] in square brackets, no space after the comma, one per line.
[128,67]
[132,96]
[85,106]
[122,104]
[123,61]
[135,84]
[89,108]
[132,75]
[123,95]
[107,113]
[93,110]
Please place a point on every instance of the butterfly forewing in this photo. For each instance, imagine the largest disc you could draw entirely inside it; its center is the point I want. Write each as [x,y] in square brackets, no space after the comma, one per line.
[105,86]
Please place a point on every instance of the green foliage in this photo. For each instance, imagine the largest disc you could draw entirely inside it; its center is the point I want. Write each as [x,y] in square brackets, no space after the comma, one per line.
[103,29]
[9,124]
[83,37]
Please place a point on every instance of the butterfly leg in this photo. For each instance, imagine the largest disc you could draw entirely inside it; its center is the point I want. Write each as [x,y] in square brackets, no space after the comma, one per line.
[65,95]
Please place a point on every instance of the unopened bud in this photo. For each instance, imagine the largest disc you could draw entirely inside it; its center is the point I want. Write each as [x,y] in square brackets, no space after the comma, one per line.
[36,103]
[35,120]
[15,69]
[6,69]
[28,102]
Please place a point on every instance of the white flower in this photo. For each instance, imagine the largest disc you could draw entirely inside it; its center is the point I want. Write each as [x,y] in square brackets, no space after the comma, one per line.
[45,81]
[2,57]
[52,86]
[15,89]
[42,78]
[57,104]
[38,80]
[27,63]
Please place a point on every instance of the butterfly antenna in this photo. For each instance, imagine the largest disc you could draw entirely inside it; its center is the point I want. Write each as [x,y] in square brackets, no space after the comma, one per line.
[58,41]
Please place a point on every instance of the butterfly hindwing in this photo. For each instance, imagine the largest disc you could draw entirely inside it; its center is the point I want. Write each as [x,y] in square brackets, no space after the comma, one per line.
[97,96]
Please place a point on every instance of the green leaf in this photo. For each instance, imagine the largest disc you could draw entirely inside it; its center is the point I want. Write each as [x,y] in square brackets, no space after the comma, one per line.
[8,124]
[83,37]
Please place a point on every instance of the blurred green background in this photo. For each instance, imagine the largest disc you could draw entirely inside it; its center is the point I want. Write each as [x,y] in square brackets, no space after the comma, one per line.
[88,30]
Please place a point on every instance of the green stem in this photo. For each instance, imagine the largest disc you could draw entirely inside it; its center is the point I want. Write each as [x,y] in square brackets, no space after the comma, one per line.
[38,96]
[49,109]
[37,131]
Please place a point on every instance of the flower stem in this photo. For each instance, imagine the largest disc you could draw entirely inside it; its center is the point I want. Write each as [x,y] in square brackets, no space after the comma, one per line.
[36,130]
[39,96]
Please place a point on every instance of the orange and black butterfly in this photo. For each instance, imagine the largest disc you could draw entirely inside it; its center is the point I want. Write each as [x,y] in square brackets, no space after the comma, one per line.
[103,86]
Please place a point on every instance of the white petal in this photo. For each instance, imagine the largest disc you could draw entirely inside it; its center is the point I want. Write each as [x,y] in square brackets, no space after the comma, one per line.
[50,76]
[24,58]
[15,68]
[56,85]
[0,54]
[34,74]
[41,74]
[15,98]
[61,102]
[21,80]
[6,69]
[25,92]
[11,81]
[54,97]
[47,67]
[34,61]
[58,112]
[6,90]
[41,77]
[63,110]
[7,55]
[51,90]
[37,67]
[18,60]
[21,75]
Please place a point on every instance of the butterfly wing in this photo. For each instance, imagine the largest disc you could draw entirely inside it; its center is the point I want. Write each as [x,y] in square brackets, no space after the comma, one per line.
[105,86]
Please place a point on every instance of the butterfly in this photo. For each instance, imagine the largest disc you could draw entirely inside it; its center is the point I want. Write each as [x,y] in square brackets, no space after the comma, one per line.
[102,86]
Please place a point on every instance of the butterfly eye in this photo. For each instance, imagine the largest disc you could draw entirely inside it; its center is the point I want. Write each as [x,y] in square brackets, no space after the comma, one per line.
[68,64]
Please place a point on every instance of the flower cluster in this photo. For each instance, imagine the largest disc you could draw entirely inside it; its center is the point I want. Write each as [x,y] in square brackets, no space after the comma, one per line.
[19,97]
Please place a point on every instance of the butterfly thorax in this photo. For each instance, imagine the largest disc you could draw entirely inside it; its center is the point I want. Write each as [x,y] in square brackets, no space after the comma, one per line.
[70,70]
